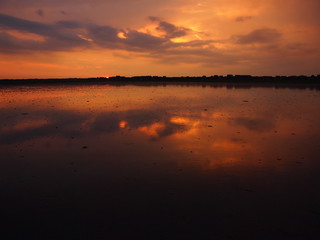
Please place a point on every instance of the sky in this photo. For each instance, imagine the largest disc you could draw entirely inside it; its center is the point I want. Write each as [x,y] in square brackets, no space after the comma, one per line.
[101,38]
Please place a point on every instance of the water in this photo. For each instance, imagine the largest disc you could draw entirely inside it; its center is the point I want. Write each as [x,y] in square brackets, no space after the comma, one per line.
[159,162]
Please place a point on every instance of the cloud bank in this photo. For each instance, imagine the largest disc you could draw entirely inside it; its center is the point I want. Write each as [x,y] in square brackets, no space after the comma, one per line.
[160,37]
[70,35]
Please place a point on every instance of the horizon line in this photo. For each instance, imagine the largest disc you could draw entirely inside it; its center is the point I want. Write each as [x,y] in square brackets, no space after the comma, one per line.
[228,76]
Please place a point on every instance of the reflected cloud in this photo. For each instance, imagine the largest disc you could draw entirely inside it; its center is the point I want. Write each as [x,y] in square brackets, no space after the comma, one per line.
[230,145]
[123,124]
[208,130]
[72,124]
[255,124]
[40,124]
[223,152]
[106,123]
[154,130]
[25,125]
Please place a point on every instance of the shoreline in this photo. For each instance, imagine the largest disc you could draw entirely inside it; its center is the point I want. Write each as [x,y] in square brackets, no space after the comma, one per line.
[229,81]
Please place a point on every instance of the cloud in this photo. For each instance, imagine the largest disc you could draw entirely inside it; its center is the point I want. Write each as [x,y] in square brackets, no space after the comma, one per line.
[102,34]
[243,18]
[170,30]
[106,26]
[145,41]
[9,44]
[262,36]
[70,24]
[159,47]
[56,37]
[132,40]
[8,22]
[40,12]
[68,35]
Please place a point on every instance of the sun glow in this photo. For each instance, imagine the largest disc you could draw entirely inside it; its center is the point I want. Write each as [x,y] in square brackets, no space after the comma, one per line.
[179,40]
[122,35]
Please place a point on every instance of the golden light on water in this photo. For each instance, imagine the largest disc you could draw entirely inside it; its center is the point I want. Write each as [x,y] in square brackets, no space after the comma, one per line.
[208,131]
[123,124]
[153,130]
[114,149]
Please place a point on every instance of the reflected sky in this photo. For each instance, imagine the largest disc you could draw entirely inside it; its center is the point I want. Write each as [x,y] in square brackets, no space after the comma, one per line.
[101,142]
[206,126]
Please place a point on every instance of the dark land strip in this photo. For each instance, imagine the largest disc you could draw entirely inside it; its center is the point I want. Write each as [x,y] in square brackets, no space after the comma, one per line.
[229,81]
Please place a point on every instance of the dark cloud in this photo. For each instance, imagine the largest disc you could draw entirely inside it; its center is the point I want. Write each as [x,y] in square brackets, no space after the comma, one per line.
[40,12]
[67,35]
[71,35]
[8,22]
[262,36]
[132,40]
[70,24]
[103,35]
[142,40]
[170,30]
[10,44]
[56,36]
[243,18]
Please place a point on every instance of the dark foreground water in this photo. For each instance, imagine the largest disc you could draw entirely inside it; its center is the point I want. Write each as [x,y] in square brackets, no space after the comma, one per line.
[156,162]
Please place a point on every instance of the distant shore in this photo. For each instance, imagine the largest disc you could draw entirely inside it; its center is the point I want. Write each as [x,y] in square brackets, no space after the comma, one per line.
[237,81]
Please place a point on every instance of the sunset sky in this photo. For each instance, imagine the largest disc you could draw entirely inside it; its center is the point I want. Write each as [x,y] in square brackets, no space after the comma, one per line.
[82,38]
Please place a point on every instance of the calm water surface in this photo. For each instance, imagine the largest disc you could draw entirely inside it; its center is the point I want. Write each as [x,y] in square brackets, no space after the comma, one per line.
[159,162]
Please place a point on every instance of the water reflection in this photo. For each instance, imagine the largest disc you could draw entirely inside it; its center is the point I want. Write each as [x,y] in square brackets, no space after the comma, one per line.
[259,125]
[177,159]
[219,124]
